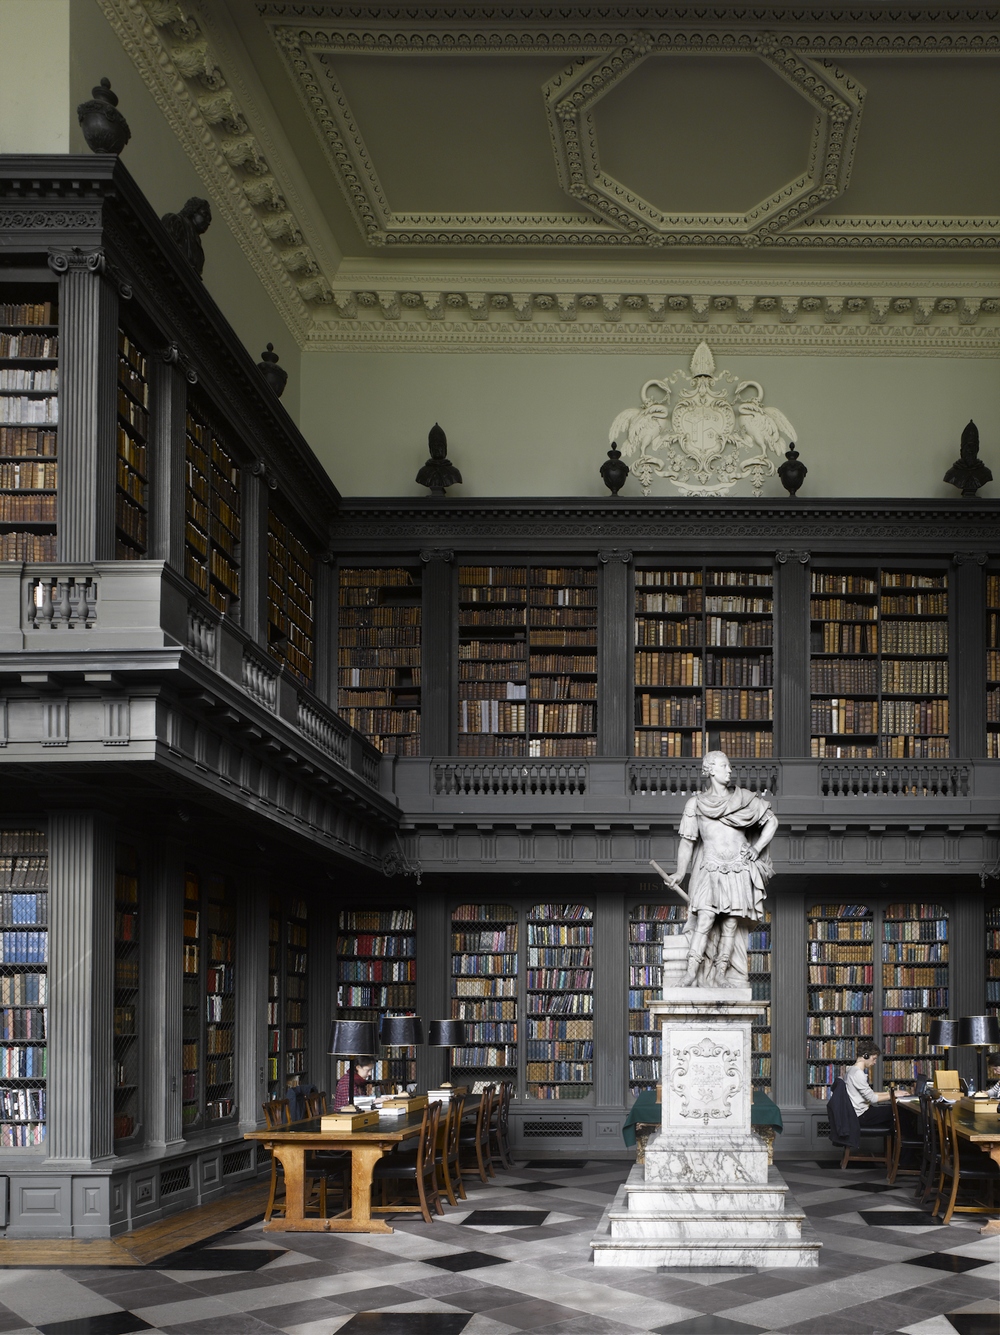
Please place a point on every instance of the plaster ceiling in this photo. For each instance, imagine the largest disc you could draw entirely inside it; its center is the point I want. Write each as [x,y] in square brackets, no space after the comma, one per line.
[405,141]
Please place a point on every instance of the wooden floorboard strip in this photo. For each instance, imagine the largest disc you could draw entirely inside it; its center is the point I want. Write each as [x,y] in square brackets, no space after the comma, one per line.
[143,1246]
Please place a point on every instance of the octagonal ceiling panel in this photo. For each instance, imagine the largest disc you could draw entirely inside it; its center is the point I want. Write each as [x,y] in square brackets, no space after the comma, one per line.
[455,135]
[705,134]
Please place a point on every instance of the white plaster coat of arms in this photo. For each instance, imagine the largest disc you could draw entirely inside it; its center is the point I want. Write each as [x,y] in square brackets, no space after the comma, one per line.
[699,445]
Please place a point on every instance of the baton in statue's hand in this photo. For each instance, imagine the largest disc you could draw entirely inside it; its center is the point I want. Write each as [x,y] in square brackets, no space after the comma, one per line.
[669,880]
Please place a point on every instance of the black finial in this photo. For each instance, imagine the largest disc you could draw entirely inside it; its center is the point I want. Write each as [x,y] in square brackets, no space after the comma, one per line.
[438,473]
[968,471]
[275,375]
[104,127]
[613,471]
[187,228]
[792,472]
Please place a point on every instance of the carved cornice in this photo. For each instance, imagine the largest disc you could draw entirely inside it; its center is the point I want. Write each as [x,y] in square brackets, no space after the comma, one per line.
[179,67]
[579,525]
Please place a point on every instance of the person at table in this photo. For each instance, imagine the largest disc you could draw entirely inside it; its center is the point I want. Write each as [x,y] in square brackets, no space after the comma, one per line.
[363,1069]
[873,1110]
[993,1066]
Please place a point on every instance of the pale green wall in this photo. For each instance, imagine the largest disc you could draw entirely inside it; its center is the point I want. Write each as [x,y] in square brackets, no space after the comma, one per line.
[523,425]
[34,76]
[159,165]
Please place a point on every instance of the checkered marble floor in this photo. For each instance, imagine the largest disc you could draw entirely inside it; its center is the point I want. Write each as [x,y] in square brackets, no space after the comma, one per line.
[515,1258]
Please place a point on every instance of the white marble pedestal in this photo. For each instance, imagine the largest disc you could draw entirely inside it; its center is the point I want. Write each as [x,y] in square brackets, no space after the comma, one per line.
[705,1195]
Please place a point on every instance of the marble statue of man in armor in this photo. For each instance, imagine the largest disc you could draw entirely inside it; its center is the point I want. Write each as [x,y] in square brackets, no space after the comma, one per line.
[724,833]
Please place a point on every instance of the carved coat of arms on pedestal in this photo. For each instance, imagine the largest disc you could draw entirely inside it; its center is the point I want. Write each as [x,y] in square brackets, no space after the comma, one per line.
[706,1077]
[700,444]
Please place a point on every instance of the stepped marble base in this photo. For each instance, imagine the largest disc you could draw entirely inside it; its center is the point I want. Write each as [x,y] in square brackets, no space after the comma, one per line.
[705,1194]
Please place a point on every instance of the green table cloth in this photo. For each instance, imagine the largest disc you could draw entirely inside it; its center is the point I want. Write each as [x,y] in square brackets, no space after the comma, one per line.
[764,1112]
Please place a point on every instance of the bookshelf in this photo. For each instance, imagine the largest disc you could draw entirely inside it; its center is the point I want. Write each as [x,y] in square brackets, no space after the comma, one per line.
[914,989]
[291,573]
[132,469]
[126,1004]
[275,1081]
[879,664]
[840,990]
[704,665]
[212,511]
[191,1052]
[29,415]
[993,666]
[559,978]
[209,1001]
[377,975]
[379,655]
[993,959]
[484,984]
[296,992]
[24,916]
[759,964]
[527,650]
[648,924]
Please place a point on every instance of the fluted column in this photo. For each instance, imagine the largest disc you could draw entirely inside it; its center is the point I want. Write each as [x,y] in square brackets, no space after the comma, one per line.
[614,650]
[322,983]
[81,982]
[788,1002]
[162,993]
[251,1000]
[325,632]
[167,463]
[253,576]
[438,653]
[968,656]
[967,958]
[610,991]
[433,981]
[88,321]
[791,624]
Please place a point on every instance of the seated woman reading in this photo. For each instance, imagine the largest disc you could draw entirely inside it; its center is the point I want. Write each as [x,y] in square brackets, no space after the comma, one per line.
[363,1070]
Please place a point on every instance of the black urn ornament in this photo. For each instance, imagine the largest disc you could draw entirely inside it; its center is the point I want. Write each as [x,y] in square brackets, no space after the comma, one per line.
[275,375]
[104,127]
[793,471]
[614,471]
[968,471]
[438,473]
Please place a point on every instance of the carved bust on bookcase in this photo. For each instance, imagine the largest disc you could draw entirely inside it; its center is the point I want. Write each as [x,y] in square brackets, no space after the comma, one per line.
[724,834]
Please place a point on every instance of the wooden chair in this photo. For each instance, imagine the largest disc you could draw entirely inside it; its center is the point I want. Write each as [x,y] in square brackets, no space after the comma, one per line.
[930,1161]
[316,1104]
[318,1167]
[451,1171]
[978,1172]
[902,1139]
[418,1166]
[499,1134]
[474,1143]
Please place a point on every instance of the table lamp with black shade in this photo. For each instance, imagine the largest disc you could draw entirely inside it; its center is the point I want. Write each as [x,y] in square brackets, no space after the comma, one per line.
[401,1031]
[353,1039]
[446,1034]
[979,1032]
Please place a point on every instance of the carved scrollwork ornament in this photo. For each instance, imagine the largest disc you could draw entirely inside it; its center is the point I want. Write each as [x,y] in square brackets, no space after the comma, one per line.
[969,558]
[396,863]
[782,557]
[429,554]
[88,261]
[610,554]
[259,469]
[173,356]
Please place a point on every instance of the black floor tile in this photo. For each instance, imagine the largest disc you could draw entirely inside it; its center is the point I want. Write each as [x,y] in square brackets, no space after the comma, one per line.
[375,1296]
[870,1186]
[830,1164]
[108,1323]
[513,1218]
[232,1323]
[899,1219]
[973,1323]
[459,1261]
[219,1258]
[555,1164]
[946,1261]
[533,1186]
[11,1321]
[708,1325]
[406,1323]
